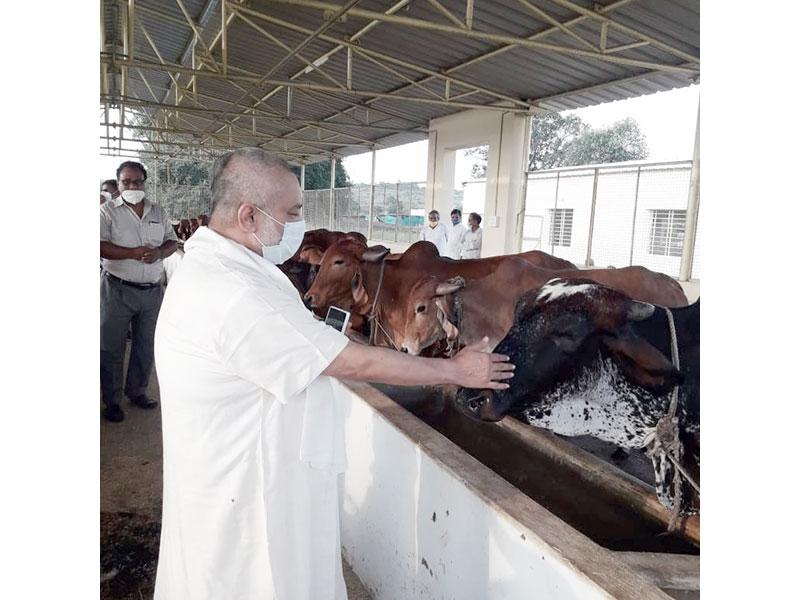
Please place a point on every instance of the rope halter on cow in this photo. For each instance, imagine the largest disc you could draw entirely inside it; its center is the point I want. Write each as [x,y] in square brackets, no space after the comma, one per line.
[666,440]
[453,344]
[373,313]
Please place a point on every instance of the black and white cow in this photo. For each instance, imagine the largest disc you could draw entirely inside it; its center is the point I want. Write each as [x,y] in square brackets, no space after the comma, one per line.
[591,361]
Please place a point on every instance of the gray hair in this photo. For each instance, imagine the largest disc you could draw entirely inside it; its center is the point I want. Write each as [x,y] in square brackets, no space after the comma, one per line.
[231,185]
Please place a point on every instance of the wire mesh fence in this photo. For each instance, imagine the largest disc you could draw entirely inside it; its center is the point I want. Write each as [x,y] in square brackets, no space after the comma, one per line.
[608,215]
[398,210]
[183,201]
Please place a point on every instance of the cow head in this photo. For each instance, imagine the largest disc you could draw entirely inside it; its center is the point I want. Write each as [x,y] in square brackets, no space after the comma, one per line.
[418,321]
[583,369]
[561,328]
[339,280]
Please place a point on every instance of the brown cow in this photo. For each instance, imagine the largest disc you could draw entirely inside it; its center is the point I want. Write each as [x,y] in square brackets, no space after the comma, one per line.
[301,268]
[339,265]
[349,274]
[435,309]
[317,241]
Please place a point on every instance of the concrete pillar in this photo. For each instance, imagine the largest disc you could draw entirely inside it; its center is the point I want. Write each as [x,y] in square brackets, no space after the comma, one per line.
[507,136]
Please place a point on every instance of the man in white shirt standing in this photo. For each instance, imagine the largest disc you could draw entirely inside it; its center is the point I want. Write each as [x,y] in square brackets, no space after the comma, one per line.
[473,238]
[455,237]
[252,417]
[435,233]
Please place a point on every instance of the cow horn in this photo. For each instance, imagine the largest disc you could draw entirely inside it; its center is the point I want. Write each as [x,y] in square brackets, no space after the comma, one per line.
[639,311]
[375,254]
[450,286]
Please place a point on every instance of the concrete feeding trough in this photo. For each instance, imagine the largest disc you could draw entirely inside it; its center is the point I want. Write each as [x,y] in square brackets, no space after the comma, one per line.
[503,511]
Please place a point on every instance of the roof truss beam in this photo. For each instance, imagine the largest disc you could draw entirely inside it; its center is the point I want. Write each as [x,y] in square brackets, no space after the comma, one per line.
[491,37]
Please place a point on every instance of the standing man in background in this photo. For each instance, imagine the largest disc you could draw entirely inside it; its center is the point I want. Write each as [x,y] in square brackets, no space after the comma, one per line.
[456,235]
[108,190]
[135,236]
[473,238]
[435,233]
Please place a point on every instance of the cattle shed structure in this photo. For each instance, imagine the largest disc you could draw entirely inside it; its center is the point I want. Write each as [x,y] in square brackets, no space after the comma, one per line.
[188,80]
[314,81]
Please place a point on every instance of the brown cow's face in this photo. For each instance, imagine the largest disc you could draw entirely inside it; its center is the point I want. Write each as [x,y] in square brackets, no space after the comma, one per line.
[338,270]
[420,322]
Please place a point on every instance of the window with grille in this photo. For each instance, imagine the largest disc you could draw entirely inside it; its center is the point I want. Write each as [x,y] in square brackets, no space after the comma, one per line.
[667,228]
[560,226]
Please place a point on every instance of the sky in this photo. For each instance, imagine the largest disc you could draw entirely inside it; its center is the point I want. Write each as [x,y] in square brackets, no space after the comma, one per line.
[667,120]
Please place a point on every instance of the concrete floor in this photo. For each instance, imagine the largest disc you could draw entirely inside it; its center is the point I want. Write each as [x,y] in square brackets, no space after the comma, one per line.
[130,487]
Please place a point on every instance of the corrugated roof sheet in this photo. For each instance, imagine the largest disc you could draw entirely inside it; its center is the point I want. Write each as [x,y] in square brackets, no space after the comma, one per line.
[542,78]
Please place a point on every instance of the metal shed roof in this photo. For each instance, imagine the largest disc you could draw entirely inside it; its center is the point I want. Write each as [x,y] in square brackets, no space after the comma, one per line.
[308,79]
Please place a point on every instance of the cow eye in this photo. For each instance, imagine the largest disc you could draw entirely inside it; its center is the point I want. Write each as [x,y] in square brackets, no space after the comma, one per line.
[421,308]
[338,262]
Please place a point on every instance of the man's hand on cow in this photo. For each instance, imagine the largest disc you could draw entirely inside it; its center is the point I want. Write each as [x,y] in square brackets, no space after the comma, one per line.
[482,369]
[151,254]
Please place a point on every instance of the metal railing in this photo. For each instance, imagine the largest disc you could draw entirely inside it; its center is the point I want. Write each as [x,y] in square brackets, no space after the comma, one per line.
[611,215]
[621,214]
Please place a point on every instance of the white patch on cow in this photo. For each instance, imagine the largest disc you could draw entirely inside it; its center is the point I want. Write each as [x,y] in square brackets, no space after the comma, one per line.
[558,288]
[601,403]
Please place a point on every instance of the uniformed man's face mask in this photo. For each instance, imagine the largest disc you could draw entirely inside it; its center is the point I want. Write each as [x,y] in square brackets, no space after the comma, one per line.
[291,240]
[133,196]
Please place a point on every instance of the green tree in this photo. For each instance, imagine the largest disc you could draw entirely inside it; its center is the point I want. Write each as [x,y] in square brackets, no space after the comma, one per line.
[551,136]
[620,142]
[558,141]
[318,176]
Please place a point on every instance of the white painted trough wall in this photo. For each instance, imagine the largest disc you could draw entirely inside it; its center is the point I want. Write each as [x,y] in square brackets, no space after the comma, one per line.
[473,548]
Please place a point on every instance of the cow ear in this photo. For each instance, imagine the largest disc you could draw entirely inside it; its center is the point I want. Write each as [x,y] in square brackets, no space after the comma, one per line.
[375,254]
[360,296]
[642,363]
[450,286]
[356,237]
[311,255]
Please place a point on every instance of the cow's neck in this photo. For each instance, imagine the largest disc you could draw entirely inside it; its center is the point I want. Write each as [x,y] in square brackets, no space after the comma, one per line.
[602,403]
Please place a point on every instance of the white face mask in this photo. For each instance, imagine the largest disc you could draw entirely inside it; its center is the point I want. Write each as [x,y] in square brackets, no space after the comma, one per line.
[292,238]
[133,196]
[106,195]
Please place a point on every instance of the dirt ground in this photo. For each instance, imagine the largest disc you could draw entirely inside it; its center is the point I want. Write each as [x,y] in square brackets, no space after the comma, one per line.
[130,505]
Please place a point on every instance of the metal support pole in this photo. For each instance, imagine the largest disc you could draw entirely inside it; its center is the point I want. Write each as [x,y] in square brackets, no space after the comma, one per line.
[692,208]
[349,68]
[303,177]
[371,198]
[333,193]
[396,210]
[635,208]
[553,220]
[155,187]
[588,262]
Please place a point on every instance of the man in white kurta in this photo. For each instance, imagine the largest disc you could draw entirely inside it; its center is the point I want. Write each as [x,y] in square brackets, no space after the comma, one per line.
[237,354]
[455,237]
[435,232]
[473,238]
[252,419]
